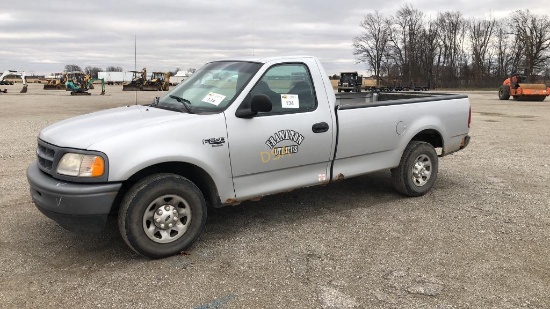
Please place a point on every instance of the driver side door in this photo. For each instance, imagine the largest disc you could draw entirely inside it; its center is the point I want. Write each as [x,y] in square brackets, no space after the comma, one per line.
[288,147]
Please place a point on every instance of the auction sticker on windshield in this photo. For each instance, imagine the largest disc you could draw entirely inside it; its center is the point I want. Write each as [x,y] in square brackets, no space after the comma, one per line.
[290,101]
[213,98]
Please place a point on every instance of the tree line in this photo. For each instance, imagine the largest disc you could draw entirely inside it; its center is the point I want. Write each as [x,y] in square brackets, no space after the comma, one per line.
[409,49]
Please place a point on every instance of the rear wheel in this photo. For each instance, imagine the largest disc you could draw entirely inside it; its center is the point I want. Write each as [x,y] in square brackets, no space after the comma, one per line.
[417,170]
[504,92]
[162,215]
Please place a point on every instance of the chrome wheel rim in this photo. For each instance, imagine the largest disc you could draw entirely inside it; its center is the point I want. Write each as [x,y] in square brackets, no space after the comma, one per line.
[421,170]
[166,218]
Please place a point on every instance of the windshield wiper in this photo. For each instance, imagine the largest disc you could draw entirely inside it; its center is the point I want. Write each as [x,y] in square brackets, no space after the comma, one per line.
[155,101]
[183,101]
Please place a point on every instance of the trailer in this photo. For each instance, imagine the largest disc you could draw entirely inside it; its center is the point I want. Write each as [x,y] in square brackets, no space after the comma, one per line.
[115,78]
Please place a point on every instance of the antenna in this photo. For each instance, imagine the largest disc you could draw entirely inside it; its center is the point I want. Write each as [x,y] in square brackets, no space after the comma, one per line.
[253,43]
[135,60]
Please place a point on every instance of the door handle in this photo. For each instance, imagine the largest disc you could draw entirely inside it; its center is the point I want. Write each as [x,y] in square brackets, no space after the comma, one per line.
[320,127]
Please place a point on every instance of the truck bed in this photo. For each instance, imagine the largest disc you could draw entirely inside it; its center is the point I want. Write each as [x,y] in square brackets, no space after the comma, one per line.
[372,99]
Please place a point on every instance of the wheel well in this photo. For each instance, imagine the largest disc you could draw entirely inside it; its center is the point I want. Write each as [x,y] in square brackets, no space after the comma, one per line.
[430,136]
[192,172]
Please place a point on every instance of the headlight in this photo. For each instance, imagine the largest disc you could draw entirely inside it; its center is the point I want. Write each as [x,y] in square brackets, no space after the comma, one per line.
[80,165]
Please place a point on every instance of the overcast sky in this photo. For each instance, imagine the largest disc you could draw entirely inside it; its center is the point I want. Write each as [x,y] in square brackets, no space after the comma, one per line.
[41,37]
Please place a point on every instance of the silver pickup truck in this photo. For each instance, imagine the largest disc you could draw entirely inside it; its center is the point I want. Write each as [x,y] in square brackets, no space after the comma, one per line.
[235,130]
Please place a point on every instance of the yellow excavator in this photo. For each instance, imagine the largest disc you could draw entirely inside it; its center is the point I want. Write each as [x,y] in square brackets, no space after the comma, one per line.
[79,83]
[56,81]
[160,81]
[7,73]
[137,81]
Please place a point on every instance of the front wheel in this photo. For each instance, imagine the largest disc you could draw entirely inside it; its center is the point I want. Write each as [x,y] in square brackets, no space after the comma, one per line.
[417,171]
[504,92]
[162,215]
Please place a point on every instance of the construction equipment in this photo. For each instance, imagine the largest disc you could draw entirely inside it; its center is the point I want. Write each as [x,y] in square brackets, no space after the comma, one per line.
[160,81]
[16,73]
[137,81]
[350,81]
[77,78]
[79,83]
[56,81]
[516,86]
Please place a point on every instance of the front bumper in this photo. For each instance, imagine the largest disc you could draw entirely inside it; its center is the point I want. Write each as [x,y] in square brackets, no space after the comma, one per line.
[77,207]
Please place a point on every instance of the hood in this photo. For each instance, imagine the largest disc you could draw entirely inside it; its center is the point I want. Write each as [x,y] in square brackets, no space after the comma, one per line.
[83,131]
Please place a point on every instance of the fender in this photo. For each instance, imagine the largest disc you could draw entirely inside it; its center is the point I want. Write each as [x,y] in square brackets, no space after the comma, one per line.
[174,141]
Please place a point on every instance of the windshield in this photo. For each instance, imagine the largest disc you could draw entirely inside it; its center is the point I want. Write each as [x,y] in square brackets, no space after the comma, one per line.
[211,89]
[348,77]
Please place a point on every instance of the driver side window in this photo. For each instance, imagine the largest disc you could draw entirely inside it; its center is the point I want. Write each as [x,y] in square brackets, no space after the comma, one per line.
[290,88]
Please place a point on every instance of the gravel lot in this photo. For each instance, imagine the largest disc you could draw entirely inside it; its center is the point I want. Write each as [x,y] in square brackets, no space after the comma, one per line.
[479,239]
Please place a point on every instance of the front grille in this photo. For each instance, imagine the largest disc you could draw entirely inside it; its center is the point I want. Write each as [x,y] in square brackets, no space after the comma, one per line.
[45,154]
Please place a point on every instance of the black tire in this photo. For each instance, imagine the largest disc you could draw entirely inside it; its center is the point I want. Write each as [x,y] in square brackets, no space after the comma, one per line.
[159,197]
[504,93]
[417,171]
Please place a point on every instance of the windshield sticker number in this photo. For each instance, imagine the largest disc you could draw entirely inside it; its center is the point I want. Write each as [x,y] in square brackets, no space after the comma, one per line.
[290,101]
[213,98]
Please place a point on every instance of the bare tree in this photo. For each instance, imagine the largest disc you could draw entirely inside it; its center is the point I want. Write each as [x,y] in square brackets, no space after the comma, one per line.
[428,47]
[534,34]
[480,34]
[500,46]
[407,25]
[176,70]
[93,71]
[114,69]
[72,68]
[372,45]
[451,27]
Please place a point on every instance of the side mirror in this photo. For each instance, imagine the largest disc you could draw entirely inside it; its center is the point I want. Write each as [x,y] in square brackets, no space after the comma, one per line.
[260,103]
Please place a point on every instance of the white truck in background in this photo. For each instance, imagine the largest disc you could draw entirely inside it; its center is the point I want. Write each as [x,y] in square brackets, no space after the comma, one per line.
[179,77]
